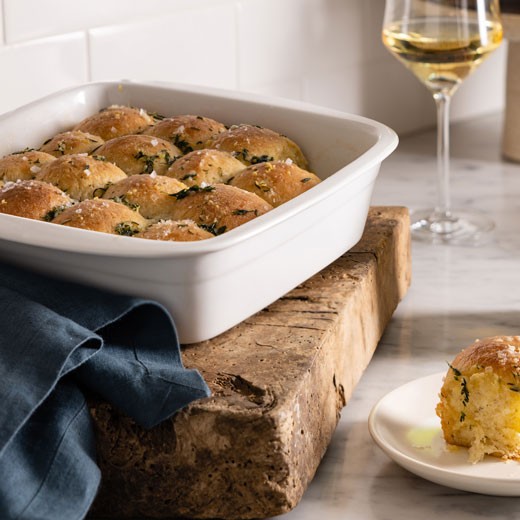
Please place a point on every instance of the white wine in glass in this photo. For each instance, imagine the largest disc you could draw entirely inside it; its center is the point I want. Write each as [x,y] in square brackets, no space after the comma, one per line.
[442,42]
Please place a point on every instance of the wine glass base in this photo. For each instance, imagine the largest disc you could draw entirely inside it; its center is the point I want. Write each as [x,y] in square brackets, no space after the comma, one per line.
[462,227]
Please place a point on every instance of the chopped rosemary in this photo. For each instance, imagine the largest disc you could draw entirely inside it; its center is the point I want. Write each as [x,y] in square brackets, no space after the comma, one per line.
[188,176]
[53,213]
[99,192]
[262,185]
[244,153]
[464,391]
[192,189]
[182,144]
[156,116]
[48,140]
[61,147]
[127,228]
[306,179]
[455,371]
[25,150]
[123,200]
[255,159]
[245,212]
[213,228]
[147,159]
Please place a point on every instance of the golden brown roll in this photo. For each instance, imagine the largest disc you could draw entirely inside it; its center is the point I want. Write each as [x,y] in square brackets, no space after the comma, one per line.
[136,154]
[116,121]
[175,230]
[480,399]
[149,193]
[81,176]
[23,165]
[32,199]
[275,182]
[218,208]
[102,215]
[205,167]
[254,144]
[74,141]
[187,132]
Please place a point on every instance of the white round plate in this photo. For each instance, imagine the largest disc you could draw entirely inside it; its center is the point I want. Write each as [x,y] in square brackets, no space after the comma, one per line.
[406,428]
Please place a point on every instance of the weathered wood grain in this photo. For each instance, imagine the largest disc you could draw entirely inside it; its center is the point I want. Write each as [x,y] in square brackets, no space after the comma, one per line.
[279,382]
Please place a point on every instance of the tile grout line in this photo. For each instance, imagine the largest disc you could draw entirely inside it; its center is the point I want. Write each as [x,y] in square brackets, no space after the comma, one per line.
[4,25]
[88,55]
[238,7]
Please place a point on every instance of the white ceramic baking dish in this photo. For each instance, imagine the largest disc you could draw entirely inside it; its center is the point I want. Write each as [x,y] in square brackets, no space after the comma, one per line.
[211,285]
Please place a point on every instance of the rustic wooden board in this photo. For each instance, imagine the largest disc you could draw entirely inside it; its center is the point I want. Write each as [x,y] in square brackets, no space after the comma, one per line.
[279,382]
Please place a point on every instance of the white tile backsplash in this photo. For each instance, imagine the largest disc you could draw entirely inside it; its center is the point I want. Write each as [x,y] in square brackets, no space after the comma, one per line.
[40,67]
[195,46]
[2,39]
[26,19]
[327,52]
[270,37]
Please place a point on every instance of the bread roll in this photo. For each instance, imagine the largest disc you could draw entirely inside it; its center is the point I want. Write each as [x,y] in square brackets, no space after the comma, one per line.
[32,199]
[102,215]
[175,230]
[205,167]
[23,165]
[150,194]
[136,154]
[218,208]
[253,144]
[81,176]
[275,182]
[480,399]
[187,132]
[116,121]
[74,141]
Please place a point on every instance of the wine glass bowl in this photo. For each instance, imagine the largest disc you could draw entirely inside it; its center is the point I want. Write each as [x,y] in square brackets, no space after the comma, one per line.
[442,42]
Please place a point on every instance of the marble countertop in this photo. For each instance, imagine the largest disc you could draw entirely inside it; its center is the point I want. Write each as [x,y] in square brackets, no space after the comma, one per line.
[457,294]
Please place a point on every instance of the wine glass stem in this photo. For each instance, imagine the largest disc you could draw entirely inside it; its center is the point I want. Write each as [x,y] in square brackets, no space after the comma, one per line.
[443,208]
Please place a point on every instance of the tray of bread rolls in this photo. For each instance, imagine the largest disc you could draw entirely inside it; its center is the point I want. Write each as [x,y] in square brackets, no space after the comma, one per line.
[214,203]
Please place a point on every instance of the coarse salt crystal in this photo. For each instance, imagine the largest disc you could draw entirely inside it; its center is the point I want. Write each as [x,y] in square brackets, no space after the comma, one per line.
[87,172]
[203,184]
[142,112]
[153,174]
[35,169]
[85,154]
[154,142]
[24,158]
[113,130]
[79,210]
[180,129]
[288,161]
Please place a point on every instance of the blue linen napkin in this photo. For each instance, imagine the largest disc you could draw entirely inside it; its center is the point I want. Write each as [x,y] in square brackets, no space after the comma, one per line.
[58,339]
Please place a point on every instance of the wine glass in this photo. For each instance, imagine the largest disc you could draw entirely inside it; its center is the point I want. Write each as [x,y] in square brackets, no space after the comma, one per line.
[442,42]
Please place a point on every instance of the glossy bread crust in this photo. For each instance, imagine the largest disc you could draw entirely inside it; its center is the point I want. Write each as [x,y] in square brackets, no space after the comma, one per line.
[150,194]
[116,121]
[205,166]
[23,165]
[136,154]
[102,215]
[32,199]
[81,176]
[275,182]
[253,144]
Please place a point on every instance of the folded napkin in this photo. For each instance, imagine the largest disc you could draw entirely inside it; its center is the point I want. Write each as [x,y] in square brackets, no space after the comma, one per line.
[58,339]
